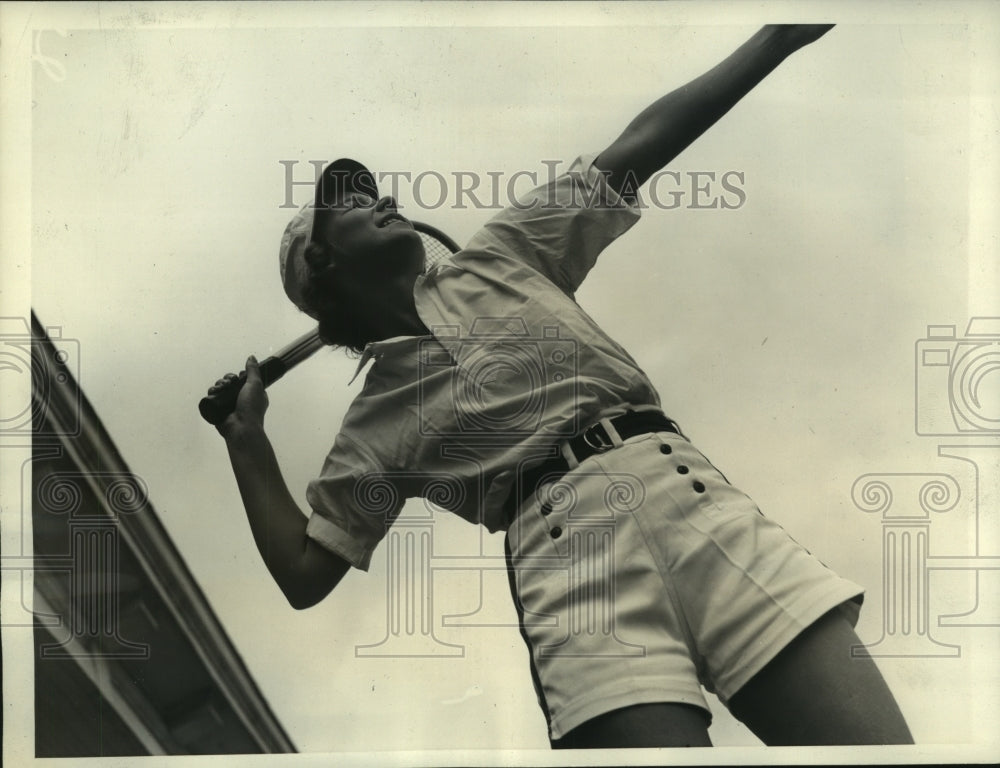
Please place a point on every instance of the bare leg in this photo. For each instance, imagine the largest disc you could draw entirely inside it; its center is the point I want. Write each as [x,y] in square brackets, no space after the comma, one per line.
[642,725]
[814,693]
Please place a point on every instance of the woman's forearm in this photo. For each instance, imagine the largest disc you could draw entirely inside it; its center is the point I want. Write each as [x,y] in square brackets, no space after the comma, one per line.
[670,124]
[302,569]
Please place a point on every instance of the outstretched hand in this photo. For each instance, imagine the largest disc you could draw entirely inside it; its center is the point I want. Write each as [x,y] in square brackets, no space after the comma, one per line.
[797,36]
[251,403]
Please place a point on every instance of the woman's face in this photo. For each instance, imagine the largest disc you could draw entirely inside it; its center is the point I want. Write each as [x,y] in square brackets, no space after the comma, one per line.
[379,242]
[380,257]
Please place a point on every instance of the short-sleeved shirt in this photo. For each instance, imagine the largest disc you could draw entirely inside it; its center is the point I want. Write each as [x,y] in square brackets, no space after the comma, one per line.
[512,367]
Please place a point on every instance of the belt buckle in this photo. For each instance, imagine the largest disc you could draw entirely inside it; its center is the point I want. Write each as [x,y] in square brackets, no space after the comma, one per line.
[601,442]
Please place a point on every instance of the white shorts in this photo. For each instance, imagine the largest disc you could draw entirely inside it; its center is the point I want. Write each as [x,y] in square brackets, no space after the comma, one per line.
[643,575]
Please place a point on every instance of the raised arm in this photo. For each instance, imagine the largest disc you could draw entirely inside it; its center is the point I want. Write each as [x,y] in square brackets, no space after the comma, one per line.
[305,571]
[665,128]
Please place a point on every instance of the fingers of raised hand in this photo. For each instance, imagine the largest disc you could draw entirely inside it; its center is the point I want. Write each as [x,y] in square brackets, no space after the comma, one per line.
[222,382]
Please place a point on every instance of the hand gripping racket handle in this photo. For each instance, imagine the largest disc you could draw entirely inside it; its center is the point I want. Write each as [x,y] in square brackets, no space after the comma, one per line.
[216,407]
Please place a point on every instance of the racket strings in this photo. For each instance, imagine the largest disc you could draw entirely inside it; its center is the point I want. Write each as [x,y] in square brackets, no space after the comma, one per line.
[438,246]
[434,250]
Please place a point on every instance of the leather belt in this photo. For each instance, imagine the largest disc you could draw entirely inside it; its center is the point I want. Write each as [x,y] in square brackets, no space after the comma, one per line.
[592,441]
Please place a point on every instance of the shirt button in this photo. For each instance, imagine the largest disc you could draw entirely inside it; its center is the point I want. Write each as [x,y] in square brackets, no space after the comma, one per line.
[682,469]
[666,449]
[699,486]
[556,532]
[546,508]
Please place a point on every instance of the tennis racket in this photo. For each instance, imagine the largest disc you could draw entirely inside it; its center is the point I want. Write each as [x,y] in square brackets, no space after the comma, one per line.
[216,406]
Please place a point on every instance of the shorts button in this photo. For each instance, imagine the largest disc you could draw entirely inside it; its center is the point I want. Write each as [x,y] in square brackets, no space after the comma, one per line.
[699,486]
[666,449]
[682,469]
[556,532]
[546,508]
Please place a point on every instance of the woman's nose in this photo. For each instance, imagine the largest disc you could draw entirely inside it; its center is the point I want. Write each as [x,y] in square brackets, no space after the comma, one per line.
[386,203]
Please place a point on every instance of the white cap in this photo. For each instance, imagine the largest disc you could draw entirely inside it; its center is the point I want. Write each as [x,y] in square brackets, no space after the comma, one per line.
[338,178]
[292,256]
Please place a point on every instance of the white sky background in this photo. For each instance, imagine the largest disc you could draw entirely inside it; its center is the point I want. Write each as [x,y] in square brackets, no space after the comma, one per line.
[781,335]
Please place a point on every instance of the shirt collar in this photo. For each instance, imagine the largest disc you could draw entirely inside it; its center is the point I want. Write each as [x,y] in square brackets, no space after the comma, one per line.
[375,350]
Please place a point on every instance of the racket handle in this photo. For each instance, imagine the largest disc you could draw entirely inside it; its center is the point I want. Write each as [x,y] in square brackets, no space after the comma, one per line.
[216,407]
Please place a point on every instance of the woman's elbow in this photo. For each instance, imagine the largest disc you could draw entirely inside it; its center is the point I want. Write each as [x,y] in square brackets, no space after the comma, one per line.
[314,577]
[300,600]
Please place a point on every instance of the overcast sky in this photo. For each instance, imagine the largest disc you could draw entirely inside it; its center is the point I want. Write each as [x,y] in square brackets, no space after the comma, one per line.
[782,333]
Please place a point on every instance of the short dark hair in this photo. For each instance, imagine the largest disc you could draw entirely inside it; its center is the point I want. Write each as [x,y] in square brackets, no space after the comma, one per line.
[339,324]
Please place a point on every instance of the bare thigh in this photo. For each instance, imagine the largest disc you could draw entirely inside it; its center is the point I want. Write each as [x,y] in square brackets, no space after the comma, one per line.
[815,693]
[642,725]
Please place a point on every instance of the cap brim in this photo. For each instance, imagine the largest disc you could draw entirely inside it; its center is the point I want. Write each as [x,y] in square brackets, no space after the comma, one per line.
[339,179]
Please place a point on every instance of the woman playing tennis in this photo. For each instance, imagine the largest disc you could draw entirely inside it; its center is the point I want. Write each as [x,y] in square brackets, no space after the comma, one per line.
[608,510]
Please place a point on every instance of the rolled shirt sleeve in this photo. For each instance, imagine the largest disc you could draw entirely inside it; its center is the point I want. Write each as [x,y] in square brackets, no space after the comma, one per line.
[561,227]
[353,503]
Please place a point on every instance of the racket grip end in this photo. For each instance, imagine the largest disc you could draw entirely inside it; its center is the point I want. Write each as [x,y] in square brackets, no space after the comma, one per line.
[216,407]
